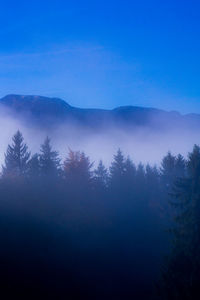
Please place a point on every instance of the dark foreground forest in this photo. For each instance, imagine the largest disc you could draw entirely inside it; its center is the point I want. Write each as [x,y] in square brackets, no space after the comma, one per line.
[71,230]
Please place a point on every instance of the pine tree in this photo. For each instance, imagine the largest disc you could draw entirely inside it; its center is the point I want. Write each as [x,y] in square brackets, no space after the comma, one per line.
[118,190]
[152,177]
[130,170]
[49,160]
[117,170]
[101,175]
[140,174]
[129,177]
[153,186]
[180,166]
[168,173]
[193,164]
[140,185]
[34,166]
[77,169]
[16,157]
[181,276]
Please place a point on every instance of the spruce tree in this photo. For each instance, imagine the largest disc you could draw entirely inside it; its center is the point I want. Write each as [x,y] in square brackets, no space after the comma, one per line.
[130,170]
[168,173]
[101,175]
[49,160]
[180,166]
[34,166]
[117,170]
[118,191]
[153,188]
[181,276]
[140,185]
[152,178]
[140,175]
[129,178]
[77,169]
[16,157]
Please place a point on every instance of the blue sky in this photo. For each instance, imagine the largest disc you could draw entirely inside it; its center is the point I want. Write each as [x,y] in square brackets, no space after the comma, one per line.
[103,53]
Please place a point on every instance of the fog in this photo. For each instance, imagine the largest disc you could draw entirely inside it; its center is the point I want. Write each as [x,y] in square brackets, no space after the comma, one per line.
[143,144]
[78,231]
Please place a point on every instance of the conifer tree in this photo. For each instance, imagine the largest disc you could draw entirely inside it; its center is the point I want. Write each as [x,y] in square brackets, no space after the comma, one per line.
[180,166]
[118,182]
[101,175]
[49,160]
[77,169]
[129,177]
[168,170]
[34,166]
[181,276]
[140,184]
[117,169]
[140,174]
[153,188]
[152,176]
[16,157]
[130,170]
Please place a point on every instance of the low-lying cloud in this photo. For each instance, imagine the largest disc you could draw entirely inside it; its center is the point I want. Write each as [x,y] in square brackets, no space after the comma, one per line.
[142,144]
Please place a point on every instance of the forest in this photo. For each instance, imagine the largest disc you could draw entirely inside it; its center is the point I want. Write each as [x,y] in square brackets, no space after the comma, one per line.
[70,229]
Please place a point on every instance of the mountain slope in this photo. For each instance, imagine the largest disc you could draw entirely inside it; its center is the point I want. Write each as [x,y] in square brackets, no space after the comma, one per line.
[44,111]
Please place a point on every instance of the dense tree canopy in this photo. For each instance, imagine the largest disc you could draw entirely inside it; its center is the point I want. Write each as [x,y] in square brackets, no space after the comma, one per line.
[85,231]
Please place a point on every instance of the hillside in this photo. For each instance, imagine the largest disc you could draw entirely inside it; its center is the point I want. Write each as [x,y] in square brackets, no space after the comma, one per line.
[44,111]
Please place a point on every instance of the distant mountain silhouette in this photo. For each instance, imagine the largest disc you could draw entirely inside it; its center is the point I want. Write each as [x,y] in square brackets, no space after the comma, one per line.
[44,111]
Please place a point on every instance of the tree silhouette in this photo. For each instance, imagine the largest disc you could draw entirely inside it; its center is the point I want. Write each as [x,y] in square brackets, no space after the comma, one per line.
[34,166]
[49,160]
[107,218]
[16,157]
[168,173]
[77,169]
[101,175]
[117,170]
[181,276]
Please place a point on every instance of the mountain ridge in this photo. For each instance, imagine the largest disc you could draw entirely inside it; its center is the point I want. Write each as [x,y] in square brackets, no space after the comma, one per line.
[16,97]
[46,111]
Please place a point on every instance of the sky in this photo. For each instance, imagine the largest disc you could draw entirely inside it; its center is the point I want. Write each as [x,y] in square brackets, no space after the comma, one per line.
[103,54]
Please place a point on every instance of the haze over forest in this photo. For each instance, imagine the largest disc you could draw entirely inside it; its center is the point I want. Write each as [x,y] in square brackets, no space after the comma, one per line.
[100,150]
[145,134]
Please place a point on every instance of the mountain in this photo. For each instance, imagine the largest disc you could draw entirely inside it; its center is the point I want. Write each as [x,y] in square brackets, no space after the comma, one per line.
[51,112]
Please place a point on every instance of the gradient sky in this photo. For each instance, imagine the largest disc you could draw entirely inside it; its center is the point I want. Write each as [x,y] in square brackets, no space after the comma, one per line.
[103,53]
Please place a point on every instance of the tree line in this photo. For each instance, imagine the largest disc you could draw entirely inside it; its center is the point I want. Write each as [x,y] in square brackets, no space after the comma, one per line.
[83,232]
[77,167]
